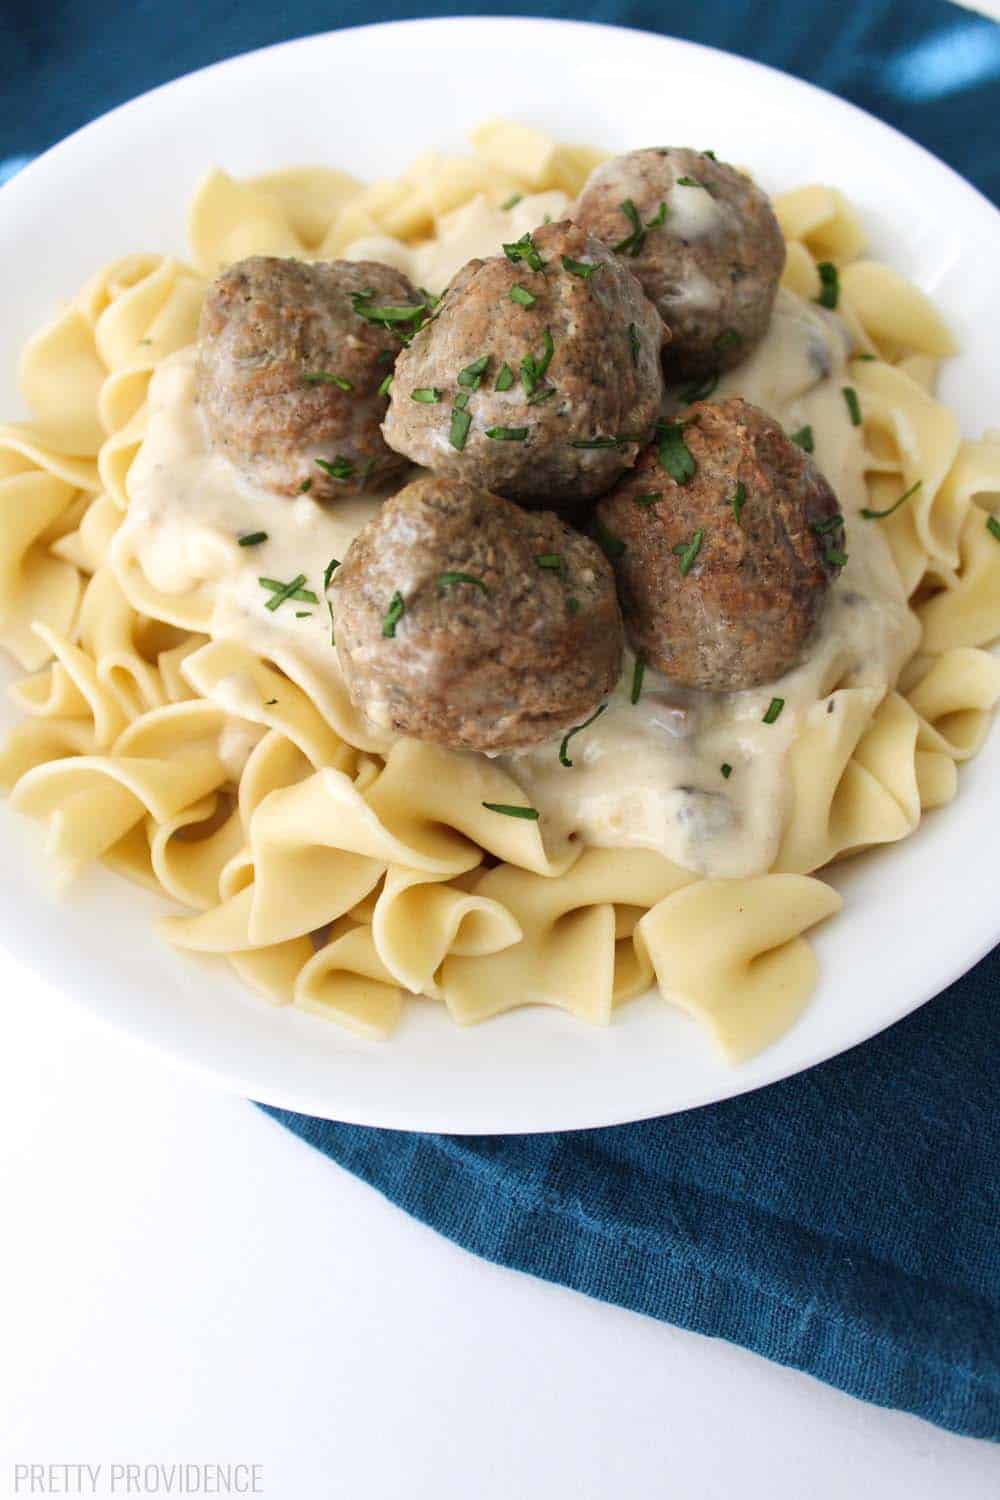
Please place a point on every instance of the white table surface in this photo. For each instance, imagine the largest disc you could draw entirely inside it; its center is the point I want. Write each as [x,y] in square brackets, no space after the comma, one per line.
[182,1281]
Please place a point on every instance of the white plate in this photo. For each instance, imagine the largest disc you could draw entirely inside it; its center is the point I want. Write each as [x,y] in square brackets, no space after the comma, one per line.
[916,915]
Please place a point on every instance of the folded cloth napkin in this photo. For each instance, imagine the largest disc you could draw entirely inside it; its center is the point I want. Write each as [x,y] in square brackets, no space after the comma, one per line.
[847,1221]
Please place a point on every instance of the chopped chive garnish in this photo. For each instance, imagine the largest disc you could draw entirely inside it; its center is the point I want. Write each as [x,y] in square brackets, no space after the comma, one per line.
[880,515]
[446,580]
[853,404]
[728,339]
[505,378]
[865,356]
[512,202]
[323,377]
[253,539]
[581,268]
[551,560]
[365,472]
[638,673]
[340,468]
[385,356]
[726,770]
[829,284]
[393,614]
[303,614]
[573,605]
[632,243]
[385,387]
[280,592]
[711,155]
[532,369]
[689,182]
[427,395]
[530,813]
[804,439]
[832,523]
[645,501]
[462,400]
[774,710]
[688,551]
[525,249]
[738,500]
[634,342]
[673,453]
[993,527]
[522,296]
[564,759]
[393,318]
[659,218]
[459,430]
[542,394]
[329,571]
[333,628]
[835,557]
[473,374]
[699,390]
[612,546]
[305,486]
[507,434]
[594,443]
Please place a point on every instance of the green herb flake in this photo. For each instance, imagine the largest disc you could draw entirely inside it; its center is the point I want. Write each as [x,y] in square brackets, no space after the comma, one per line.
[542,394]
[305,486]
[385,387]
[835,557]
[340,468]
[462,400]
[690,182]
[738,500]
[525,250]
[564,759]
[728,340]
[531,813]
[329,571]
[303,614]
[711,155]
[393,318]
[522,296]
[581,268]
[507,434]
[427,395]
[448,580]
[393,615]
[645,501]
[870,358]
[638,673]
[552,561]
[323,377]
[473,374]
[659,218]
[853,404]
[880,515]
[281,592]
[829,284]
[605,442]
[726,770]
[832,523]
[573,605]
[533,369]
[429,297]
[459,430]
[612,546]
[632,243]
[505,378]
[673,453]
[634,342]
[804,439]
[512,202]
[253,539]
[687,552]
[993,527]
[774,710]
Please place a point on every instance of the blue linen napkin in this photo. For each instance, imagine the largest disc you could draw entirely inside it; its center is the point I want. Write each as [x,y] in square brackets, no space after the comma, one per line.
[847,1221]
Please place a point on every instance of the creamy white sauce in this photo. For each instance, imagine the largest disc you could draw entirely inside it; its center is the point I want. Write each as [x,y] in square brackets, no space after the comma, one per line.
[645,775]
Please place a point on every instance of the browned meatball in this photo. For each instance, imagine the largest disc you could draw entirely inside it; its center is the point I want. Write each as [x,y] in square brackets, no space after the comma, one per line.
[704,242]
[538,378]
[464,620]
[289,371]
[722,575]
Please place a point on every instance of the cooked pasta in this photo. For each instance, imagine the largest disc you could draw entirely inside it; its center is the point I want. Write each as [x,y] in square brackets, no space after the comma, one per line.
[193,745]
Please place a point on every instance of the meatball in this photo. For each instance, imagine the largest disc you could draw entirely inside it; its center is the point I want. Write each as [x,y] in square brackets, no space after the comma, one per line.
[290,369]
[462,619]
[539,376]
[704,242]
[725,540]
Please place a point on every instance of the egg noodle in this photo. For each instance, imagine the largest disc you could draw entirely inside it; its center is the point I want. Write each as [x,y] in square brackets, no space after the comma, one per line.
[341,870]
